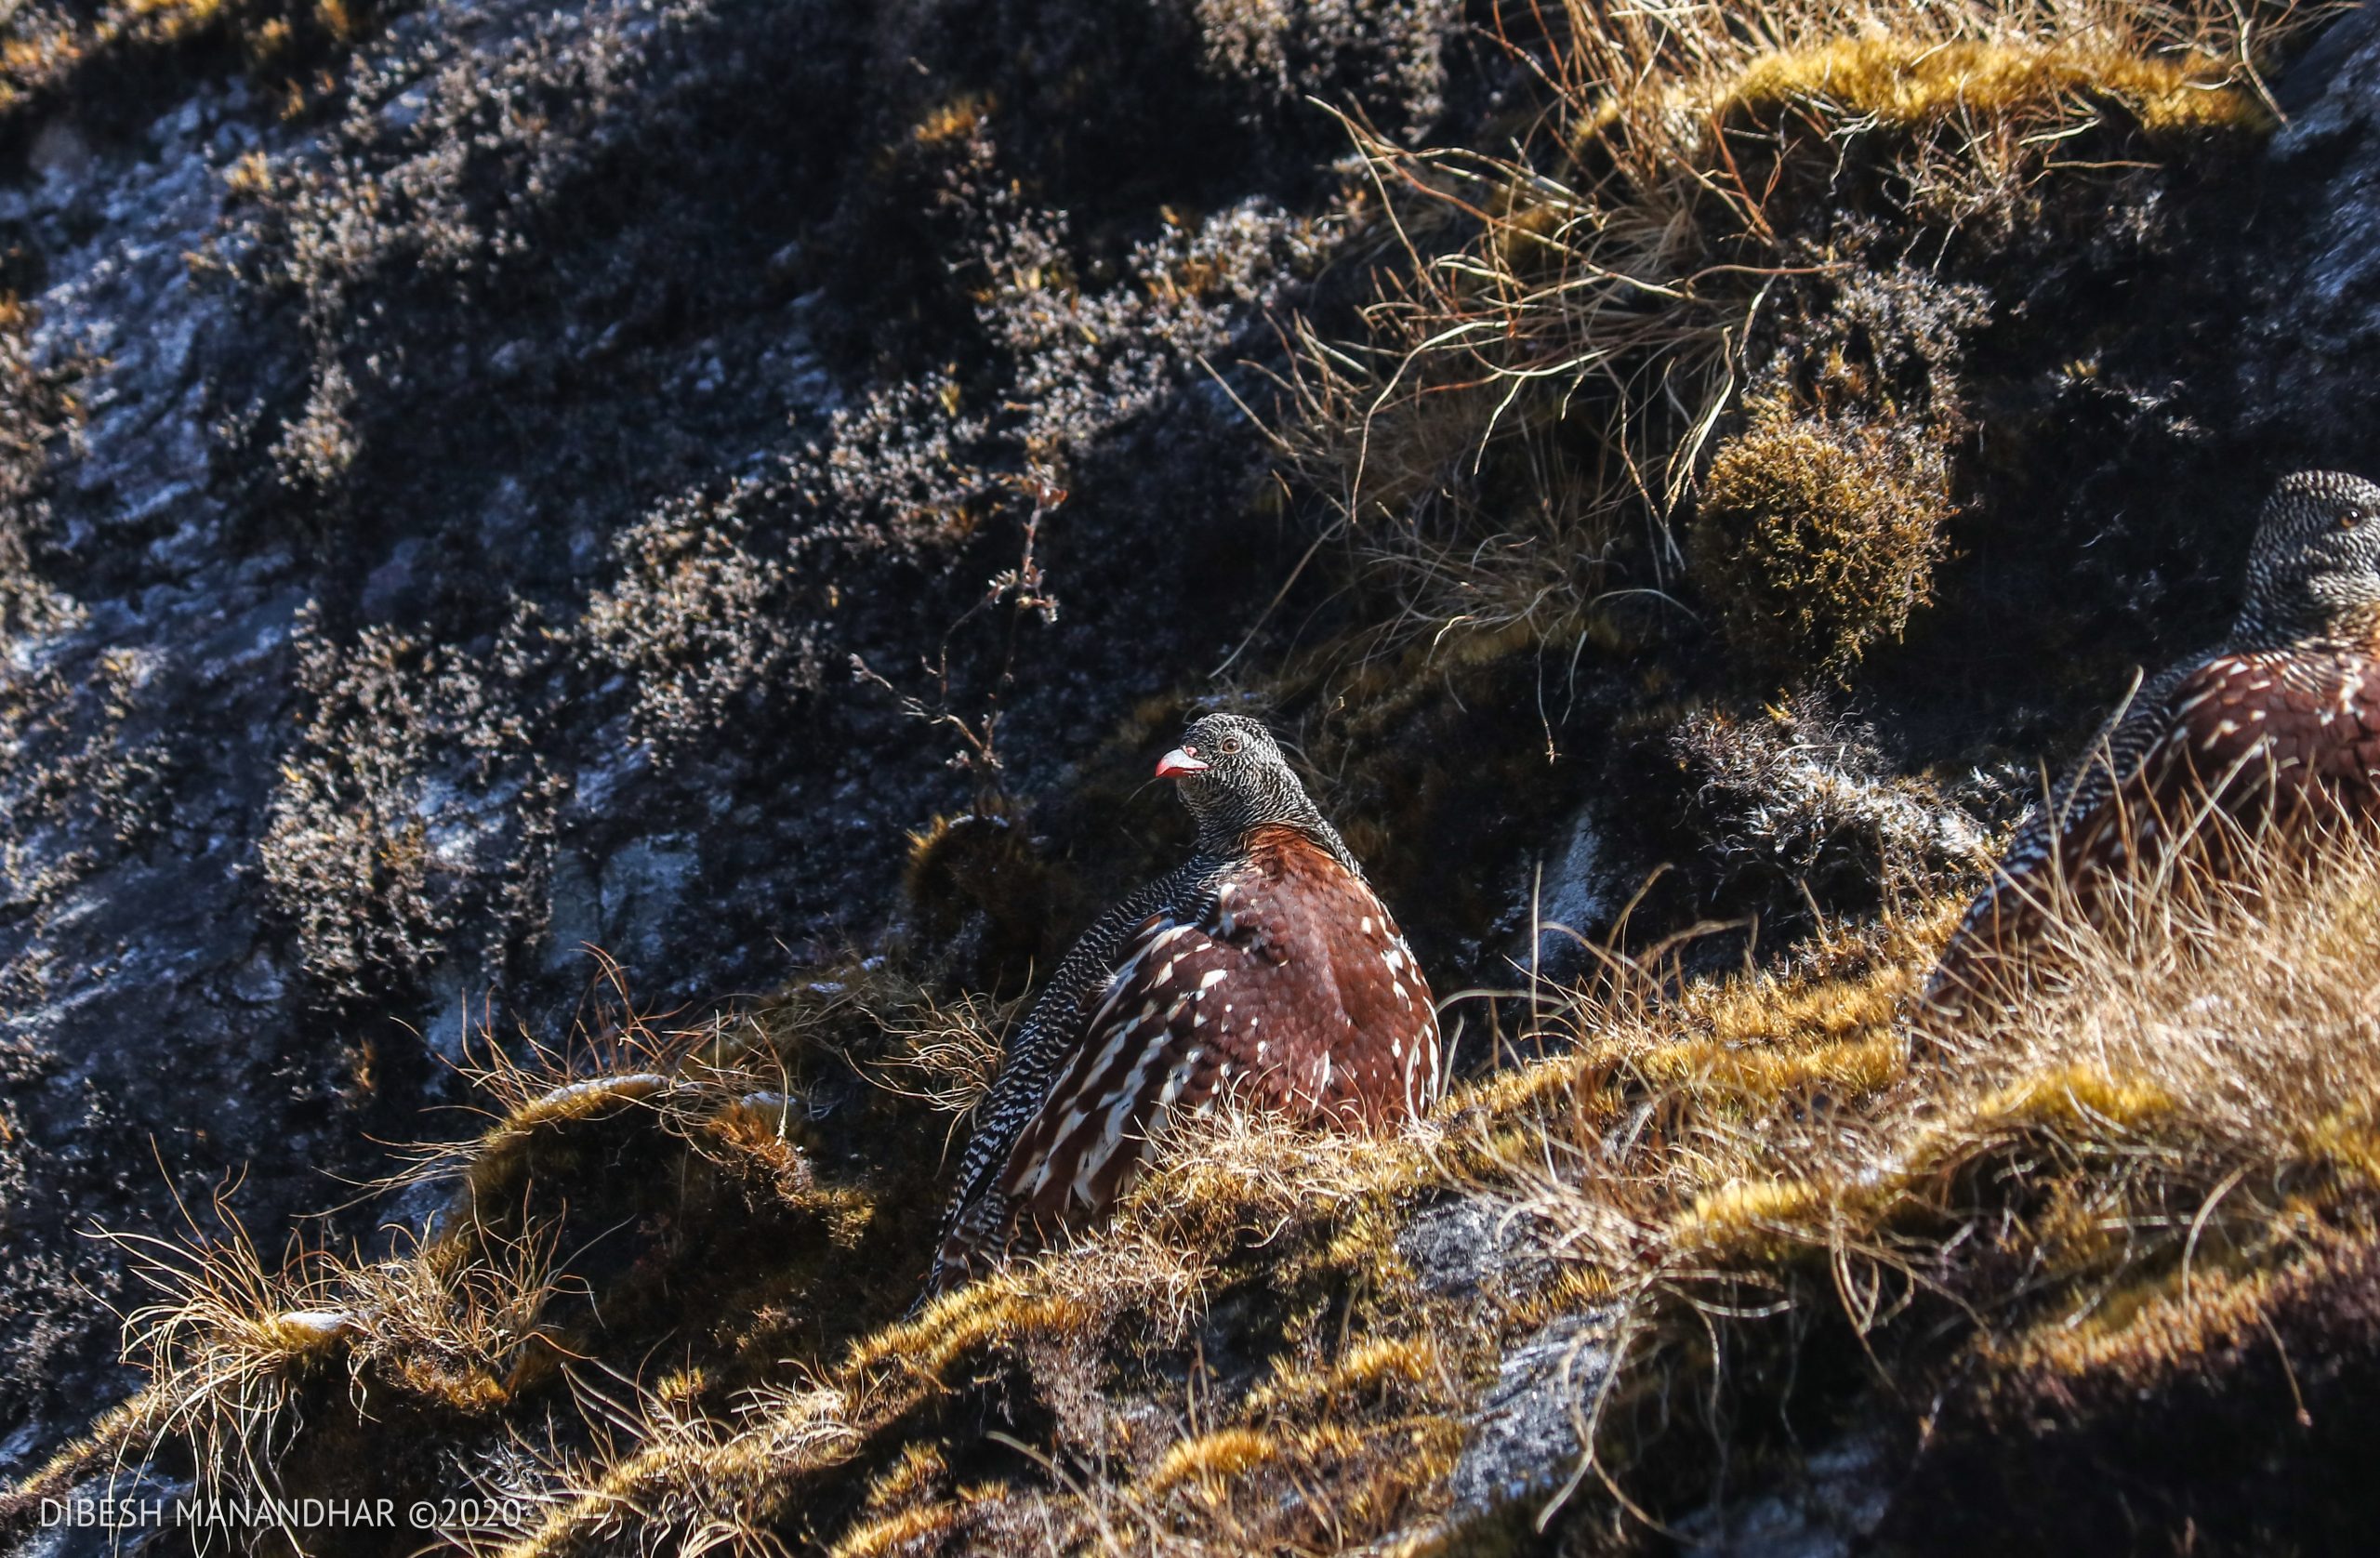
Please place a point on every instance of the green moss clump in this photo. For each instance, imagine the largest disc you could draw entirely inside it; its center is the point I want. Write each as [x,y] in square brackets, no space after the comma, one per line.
[1819,534]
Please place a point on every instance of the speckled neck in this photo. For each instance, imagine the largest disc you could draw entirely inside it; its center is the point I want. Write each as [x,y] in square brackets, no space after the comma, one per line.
[1228,818]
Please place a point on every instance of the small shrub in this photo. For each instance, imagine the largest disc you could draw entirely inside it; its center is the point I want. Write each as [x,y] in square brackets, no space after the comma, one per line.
[1797,800]
[413,804]
[700,623]
[1392,54]
[36,404]
[1816,535]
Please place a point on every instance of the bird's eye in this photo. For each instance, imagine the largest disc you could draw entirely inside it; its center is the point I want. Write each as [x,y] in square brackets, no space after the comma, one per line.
[1231,744]
[2351,518]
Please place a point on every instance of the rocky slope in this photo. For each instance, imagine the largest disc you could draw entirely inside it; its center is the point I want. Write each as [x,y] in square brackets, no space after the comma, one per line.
[485,484]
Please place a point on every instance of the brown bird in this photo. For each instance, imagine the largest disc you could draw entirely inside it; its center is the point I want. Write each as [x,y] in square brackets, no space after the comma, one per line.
[1265,969]
[2279,720]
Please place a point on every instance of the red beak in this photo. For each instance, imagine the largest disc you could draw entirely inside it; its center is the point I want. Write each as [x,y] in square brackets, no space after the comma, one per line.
[1178,762]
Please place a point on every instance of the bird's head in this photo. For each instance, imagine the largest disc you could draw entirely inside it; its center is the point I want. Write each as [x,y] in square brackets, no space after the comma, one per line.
[1233,777]
[2314,567]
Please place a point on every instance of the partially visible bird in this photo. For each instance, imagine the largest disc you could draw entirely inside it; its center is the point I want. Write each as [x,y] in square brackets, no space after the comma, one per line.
[1265,969]
[2279,720]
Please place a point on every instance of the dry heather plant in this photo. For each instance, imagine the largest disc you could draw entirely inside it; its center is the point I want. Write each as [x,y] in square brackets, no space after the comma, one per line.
[45,48]
[445,185]
[71,772]
[1559,347]
[1318,49]
[1802,793]
[414,799]
[697,621]
[725,598]
[36,403]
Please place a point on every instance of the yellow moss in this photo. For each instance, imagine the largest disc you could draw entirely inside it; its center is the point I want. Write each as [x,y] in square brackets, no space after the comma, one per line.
[176,18]
[954,120]
[2346,1139]
[1526,232]
[467,1391]
[973,852]
[1751,1219]
[2072,1095]
[890,1533]
[1504,1095]
[489,1180]
[917,1469]
[1213,1458]
[756,1122]
[130,1423]
[1374,1471]
[1369,1363]
[1850,1070]
[580,1101]
[266,42]
[1573,1288]
[999,1308]
[2160,1322]
[1904,83]
[1807,1012]
[301,1334]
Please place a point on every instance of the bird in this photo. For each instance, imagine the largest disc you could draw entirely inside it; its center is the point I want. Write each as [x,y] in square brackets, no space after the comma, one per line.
[2276,723]
[1263,968]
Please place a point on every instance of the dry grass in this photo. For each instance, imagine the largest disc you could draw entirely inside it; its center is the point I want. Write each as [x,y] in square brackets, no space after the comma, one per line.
[2112,1173]
[1563,334]
[236,1349]
[259,1366]
[2186,1087]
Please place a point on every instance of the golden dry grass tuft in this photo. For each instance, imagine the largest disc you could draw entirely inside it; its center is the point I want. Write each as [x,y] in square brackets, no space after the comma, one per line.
[2180,1097]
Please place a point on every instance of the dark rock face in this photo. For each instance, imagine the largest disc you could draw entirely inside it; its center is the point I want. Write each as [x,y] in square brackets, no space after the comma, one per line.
[444,505]
[1524,1445]
[1840,1498]
[2306,366]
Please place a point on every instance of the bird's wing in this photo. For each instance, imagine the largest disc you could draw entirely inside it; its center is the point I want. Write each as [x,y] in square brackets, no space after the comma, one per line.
[1149,1047]
[2017,900]
[977,1217]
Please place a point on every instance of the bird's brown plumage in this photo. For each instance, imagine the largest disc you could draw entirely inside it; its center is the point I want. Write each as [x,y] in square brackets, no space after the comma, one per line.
[1292,992]
[1266,971]
[2252,740]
